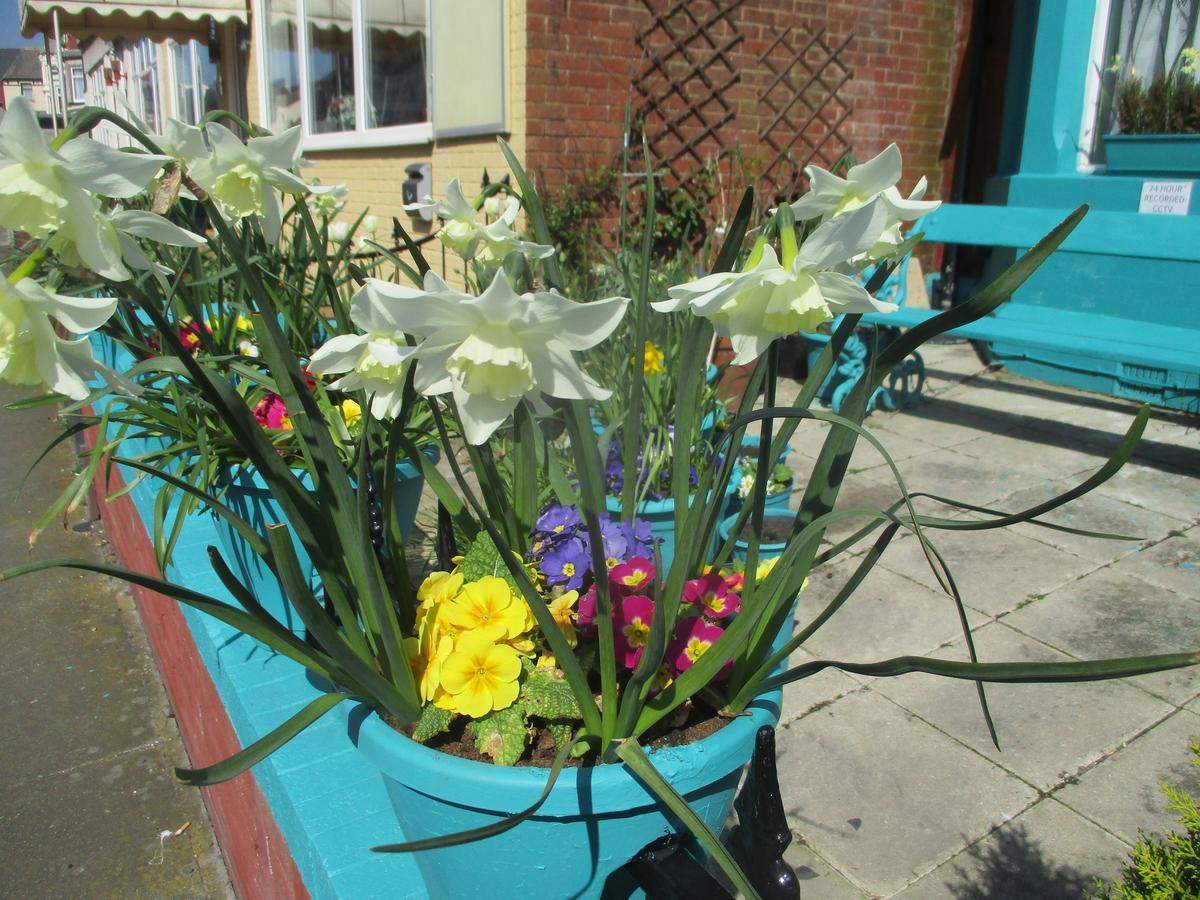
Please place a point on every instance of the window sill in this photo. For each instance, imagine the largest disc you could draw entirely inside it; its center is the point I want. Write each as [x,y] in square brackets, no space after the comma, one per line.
[399,136]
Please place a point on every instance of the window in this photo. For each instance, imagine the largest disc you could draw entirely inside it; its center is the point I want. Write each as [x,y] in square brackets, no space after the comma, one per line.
[27,90]
[196,81]
[1142,37]
[143,83]
[78,85]
[355,73]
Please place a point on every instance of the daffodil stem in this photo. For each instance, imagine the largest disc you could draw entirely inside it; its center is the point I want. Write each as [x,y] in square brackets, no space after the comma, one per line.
[29,265]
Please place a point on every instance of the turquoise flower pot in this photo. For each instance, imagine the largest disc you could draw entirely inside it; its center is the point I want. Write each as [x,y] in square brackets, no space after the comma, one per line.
[247,495]
[766,550]
[593,822]
[660,514]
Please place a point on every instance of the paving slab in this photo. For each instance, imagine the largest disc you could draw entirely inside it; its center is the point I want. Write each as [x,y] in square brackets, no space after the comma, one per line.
[884,797]
[1028,450]
[886,616]
[1031,568]
[89,742]
[1047,852]
[1122,792]
[1111,614]
[1091,512]
[1173,563]
[1151,488]
[817,878]
[949,473]
[1047,732]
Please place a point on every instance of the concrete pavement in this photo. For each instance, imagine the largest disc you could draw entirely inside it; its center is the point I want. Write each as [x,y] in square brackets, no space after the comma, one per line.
[892,786]
[89,745]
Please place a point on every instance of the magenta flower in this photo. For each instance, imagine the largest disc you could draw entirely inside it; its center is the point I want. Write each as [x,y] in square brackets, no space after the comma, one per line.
[633,617]
[712,596]
[632,576]
[693,638]
[271,413]
[585,619]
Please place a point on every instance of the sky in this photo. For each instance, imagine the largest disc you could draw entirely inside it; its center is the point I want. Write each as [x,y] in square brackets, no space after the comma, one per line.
[10,27]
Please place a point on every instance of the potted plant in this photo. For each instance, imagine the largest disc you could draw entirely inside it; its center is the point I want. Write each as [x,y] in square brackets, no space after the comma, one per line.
[497,642]
[1158,122]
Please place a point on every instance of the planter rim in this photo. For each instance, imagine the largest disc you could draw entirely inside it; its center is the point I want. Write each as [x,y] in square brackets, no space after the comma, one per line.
[1145,138]
[724,526]
[584,791]
[656,507]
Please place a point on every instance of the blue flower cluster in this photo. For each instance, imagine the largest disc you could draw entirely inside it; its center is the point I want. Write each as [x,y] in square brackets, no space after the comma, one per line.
[562,553]
[655,471]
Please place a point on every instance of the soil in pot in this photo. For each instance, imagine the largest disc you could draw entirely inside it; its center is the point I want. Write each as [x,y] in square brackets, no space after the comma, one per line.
[775,530]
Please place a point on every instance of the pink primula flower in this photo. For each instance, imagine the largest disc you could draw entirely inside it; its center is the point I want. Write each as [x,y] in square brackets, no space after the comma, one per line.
[693,638]
[633,576]
[633,627]
[271,413]
[712,596]
[585,619]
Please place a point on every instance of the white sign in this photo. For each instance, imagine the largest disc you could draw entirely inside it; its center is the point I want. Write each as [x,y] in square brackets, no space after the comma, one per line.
[1166,198]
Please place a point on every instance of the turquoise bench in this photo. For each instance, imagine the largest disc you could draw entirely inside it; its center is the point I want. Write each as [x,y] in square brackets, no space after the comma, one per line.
[1137,338]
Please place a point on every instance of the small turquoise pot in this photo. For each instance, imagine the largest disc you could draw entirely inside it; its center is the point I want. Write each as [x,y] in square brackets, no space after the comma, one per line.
[247,495]
[765,550]
[593,822]
[774,503]
[660,514]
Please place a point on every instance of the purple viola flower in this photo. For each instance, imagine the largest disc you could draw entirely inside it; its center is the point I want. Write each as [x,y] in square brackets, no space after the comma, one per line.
[558,519]
[566,563]
[616,541]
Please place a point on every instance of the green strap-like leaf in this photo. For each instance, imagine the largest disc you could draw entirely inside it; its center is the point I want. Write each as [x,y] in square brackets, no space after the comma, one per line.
[1001,673]
[262,748]
[636,759]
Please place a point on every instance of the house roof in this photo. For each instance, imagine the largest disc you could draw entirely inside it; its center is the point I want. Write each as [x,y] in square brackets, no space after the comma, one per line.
[20,64]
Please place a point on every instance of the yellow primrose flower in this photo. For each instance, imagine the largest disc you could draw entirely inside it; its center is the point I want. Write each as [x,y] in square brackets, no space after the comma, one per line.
[652,359]
[438,587]
[351,413]
[561,609]
[428,651]
[547,661]
[481,675]
[488,602]
[764,569]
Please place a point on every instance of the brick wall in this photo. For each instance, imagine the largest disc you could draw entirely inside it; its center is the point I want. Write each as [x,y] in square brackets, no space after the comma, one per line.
[583,59]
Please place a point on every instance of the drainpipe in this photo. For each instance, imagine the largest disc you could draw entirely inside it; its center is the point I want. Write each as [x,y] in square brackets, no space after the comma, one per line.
[62,70]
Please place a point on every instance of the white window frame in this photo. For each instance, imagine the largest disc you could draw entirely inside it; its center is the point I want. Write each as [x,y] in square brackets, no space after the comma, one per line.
[1091,91]
[78,89]
[27,90]
[362,136]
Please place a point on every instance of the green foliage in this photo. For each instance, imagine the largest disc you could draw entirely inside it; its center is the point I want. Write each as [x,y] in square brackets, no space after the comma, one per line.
[545,699]
[434,721]
[1163,868]
[482,559]
[1169,104]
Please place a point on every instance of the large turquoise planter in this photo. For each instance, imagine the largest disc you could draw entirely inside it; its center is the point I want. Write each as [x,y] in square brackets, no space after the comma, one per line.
[593,822]
[247,495]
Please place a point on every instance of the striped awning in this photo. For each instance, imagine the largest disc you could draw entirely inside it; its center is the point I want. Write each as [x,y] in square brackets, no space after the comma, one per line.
[128,18]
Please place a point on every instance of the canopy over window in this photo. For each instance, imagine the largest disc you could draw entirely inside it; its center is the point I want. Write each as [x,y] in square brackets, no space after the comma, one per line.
[401,16]
[129,18]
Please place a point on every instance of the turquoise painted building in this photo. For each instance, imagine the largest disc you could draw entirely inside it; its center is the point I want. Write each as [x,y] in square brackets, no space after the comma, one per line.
[1131,272]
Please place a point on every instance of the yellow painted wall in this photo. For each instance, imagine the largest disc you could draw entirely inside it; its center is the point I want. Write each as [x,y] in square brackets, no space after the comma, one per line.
[375,176]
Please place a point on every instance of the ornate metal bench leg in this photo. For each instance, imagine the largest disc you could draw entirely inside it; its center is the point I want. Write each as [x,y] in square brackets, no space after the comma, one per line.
[666,869]
[762,833]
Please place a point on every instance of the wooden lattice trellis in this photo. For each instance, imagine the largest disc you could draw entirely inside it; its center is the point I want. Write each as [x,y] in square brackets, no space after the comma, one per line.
[806,111]
[681,101]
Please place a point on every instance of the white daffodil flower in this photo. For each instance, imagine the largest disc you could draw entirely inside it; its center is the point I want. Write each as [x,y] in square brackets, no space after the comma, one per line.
[377,360]
[32,353]
[774,298]
[499,240]
[876,178]
[129,224]
[244,178]
[488,351]
[466,236]
[46,192]
[339,231]
[492,350]
[371,226]
[328,200]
